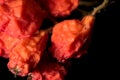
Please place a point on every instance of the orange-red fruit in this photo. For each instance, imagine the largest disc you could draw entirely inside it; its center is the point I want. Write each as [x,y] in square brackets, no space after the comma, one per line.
[69,36]
[20,18]
[7,43]
[59,8]
[27,53]
[49,71]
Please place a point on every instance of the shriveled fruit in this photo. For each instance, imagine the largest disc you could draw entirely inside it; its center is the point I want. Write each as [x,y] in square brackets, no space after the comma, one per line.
[7,43]
[69,36]
[20,18]
[59,8]
[48,70]
[27,53]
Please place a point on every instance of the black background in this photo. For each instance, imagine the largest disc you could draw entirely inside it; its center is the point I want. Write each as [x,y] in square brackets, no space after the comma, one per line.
[100,62]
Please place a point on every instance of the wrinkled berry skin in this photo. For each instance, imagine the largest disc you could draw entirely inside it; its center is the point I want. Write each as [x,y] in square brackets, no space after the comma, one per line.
[19,18]
[69,36]
[27,53]
[59,8]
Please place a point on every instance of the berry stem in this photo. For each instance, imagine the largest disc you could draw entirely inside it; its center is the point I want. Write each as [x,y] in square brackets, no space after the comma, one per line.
[29,76]
[83,12]
[16,71]
[52,19]
[88,4]
[98,8]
